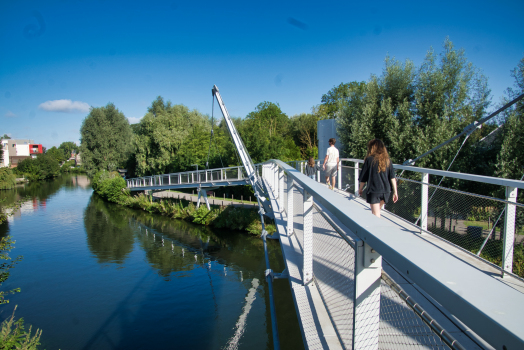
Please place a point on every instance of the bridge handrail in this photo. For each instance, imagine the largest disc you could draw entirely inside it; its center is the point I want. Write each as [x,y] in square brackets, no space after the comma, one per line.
[452,174]
[461,288]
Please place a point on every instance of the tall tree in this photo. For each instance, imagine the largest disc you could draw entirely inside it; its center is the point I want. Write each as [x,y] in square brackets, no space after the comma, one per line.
[57,154]
[510,160]
[105,139]
[413,110]
[68,147]
[337,97]
[171,138]
[265,132]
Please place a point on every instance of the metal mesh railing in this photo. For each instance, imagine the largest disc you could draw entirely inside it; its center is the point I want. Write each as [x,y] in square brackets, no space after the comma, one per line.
[462,218]
[334,270]
[400,326]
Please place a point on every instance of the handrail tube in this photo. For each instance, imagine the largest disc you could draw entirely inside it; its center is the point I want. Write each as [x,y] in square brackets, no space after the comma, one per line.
[455,175]
[459,287]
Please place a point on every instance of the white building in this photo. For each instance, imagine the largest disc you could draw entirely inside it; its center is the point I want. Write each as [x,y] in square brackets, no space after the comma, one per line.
[14,151]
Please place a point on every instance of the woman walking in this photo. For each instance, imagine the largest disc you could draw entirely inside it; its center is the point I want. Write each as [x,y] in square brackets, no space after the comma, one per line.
[311,168]
[379,175]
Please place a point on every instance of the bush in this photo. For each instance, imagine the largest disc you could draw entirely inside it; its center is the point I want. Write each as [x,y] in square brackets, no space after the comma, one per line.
[42,168]
[7,179]
[110,186]
[14,336]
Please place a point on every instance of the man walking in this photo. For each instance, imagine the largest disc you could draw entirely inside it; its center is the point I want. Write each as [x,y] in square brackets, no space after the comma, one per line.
[330,165]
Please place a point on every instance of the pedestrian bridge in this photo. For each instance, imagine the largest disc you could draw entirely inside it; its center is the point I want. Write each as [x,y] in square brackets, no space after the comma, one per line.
[436,271]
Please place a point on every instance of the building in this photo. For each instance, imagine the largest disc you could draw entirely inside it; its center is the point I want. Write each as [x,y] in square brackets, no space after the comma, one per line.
[18,150]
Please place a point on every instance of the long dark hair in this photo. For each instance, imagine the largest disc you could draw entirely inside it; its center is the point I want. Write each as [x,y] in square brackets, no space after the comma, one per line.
[378,151]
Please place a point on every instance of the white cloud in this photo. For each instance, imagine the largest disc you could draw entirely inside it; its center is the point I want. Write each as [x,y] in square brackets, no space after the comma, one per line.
[133,120]
[10,114]
[65,106]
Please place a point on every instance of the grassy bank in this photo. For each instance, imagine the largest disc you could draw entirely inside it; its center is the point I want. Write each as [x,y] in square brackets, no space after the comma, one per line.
[111,187]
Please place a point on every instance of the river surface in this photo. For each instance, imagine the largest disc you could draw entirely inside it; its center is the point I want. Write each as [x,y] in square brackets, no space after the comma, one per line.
[95,275]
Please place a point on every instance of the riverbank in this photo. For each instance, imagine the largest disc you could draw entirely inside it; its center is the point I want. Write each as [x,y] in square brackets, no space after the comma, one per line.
[111,187]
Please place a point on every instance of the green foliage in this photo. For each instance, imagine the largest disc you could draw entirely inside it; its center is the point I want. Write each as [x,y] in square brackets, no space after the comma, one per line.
[14,336]
[170,138]
[110,186]
[266,134]
[44,167]
[68,147]
[57,154]
[336,98]
[413,110]
[7,179]
[511,157]
[303,128]
[6,244]
[106,139]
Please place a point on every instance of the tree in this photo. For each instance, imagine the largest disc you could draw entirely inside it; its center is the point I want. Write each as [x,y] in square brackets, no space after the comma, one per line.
[511,157]
[303,129]
[56,153]
[5,137]
[45,166]
[68,147]
[412,110]
[266,135]
[170,138]
[337,97]
[106,139]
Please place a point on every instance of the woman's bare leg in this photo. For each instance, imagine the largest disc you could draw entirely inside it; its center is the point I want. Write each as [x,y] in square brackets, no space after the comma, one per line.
[375,209]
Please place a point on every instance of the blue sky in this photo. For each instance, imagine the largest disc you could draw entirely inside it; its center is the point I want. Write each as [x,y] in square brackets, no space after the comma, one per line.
[94,52]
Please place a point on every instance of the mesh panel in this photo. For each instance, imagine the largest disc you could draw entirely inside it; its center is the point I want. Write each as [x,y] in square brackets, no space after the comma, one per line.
[333,266]
[462,218]
[401,327]
[298,215]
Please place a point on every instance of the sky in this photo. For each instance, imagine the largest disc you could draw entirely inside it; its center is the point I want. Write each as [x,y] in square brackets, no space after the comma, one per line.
[59,58]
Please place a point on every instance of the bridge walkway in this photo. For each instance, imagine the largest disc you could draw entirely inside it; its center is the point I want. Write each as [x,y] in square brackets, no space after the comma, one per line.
[400,327]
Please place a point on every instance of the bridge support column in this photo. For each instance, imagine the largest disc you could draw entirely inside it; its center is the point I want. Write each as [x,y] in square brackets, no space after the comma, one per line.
[202,193]
[509,229]
[424,202]
[307,270]
[290,215]
[366,311]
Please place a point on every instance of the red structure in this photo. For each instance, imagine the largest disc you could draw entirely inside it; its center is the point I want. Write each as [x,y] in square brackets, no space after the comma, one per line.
[35,149]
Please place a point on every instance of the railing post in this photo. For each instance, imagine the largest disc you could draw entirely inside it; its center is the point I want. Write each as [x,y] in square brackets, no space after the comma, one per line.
[206,175]
[509,229]
[318,172]
[424,202]
[307,271]
[356,179]
[281,188]
[366,317]
[290,215]
[238,173]
[339,171]
[275,179]
[302,167]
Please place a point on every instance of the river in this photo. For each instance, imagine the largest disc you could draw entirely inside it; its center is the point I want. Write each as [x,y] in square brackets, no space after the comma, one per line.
[95,275]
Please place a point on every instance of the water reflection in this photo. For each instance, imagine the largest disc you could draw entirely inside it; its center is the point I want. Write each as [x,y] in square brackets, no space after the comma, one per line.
[109,235]
[170,245]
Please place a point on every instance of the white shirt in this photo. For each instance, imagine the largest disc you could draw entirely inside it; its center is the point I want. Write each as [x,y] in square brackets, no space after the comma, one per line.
[332,153]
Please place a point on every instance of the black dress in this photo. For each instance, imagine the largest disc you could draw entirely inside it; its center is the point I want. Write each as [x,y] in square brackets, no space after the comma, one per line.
[378,183]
